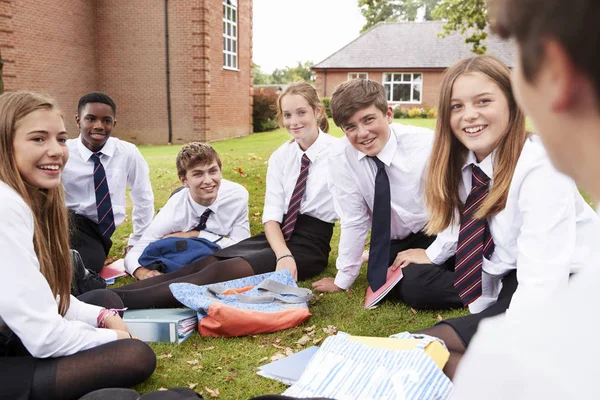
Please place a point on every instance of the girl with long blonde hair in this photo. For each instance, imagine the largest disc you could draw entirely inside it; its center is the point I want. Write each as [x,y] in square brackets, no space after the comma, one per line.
[52,345]
[517,228]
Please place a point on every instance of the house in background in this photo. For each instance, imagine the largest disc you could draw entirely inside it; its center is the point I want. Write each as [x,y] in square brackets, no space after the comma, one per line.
[408,58]
[178,70]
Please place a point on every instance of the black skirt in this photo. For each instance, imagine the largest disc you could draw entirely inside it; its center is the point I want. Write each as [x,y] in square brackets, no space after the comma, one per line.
[466,326]
[309,245]
[16,368]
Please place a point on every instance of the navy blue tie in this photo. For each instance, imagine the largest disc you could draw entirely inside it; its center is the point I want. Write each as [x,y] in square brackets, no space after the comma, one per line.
[106,219]
[203,218]
[379,252]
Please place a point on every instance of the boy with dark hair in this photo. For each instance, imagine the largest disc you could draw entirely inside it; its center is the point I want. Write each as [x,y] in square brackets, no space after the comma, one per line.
[96,177]
[207,207]
[376,175]
[551,354]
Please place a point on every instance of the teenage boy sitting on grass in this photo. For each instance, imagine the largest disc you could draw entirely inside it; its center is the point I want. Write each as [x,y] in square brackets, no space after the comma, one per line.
[208,207]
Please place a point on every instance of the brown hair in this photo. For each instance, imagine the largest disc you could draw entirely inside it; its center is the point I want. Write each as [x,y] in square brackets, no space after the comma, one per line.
[573,23]
[51,230]
[449,154]
[193,154]
[353,95]
[310,94]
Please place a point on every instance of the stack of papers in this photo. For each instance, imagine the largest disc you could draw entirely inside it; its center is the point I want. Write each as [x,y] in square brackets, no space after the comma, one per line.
[112,271]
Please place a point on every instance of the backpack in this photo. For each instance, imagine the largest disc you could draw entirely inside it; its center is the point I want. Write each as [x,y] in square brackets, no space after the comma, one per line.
[170,254]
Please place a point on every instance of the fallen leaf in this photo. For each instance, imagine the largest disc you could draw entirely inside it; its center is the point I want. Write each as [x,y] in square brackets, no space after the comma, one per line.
[220,368]
[349,291]
[259,182]
[262,360]
[230,378]
[302,341]
[162,388]
[413,310]
[208,348]
[197,367]
[212,392]
[439,317]
[317,340]
[241,171]
[278,346]
[288,351]
[277,356]
[192,362]
[166,355]
[192,385]
[278,340]
[330,330]
[309,328]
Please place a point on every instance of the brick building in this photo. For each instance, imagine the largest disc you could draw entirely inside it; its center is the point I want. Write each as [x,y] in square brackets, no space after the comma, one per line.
[68,47]
[407,58]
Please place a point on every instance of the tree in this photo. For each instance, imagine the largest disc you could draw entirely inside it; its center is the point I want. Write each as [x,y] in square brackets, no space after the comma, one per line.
[463,15]
[260,78]
[376,11]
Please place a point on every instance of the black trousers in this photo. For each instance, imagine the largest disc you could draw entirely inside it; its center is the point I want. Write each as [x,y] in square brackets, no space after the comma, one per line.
[425,286]
[87,240]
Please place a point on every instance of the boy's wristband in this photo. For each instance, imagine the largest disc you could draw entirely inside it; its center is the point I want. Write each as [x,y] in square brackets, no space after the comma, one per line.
[284,256]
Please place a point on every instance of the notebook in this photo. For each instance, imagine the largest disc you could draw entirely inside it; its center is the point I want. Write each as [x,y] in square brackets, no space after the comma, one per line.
[172,325]
[393,277]
[288,370]
[113,271]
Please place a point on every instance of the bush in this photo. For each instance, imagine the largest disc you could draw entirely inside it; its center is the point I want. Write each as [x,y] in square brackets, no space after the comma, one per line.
[414,113]
[430,112]
[326,101]
[264,111]
[400,113]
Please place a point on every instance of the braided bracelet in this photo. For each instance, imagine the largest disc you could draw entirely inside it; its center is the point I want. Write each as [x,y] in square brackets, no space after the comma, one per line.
[284,256]
[107,313]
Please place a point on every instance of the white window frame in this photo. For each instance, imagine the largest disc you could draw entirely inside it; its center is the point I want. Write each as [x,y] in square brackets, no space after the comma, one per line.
[398,79]
[230,35]
[357,75]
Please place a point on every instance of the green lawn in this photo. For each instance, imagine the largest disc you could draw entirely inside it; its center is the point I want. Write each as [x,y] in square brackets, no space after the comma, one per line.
[230,365]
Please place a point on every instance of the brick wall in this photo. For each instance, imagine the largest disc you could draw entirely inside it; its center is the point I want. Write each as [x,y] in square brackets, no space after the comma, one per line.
[68,47]
[431,83]
[50,49]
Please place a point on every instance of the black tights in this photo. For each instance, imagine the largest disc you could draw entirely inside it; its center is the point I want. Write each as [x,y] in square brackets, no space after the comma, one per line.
[155,293]
[453,343]
[122,363]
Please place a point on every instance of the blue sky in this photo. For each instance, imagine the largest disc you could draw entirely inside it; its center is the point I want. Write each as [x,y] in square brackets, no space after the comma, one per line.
[288,31]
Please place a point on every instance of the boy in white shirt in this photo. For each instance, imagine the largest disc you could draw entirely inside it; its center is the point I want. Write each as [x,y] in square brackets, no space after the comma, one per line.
[551,354]
[375,149]
[95,180]
[224,205]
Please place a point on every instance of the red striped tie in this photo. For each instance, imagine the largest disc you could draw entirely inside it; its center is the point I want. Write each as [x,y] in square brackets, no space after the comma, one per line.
[106,219]
[474,241]
[294,208]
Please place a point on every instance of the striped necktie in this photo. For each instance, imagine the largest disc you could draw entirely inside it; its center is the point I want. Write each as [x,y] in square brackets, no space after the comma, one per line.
[294,208]
[106,219]
[474,241]
[203,218]
[379,251]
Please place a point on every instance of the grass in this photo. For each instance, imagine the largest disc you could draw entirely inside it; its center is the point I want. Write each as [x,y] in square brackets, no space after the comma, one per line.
[229,365]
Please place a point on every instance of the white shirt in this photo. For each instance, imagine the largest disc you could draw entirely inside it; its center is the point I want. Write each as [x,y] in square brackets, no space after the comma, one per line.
[124,165]
[27,305]
[352,182]
[283,172]
[546,231]
[552,354]
[228,223]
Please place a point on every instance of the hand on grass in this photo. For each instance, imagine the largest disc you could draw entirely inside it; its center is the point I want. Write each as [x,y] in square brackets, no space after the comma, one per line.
[290,264]
[144,273]
[410,256]
[326,285]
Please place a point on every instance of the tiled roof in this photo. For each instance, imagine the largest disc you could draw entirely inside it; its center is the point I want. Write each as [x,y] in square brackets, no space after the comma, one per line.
[411,45]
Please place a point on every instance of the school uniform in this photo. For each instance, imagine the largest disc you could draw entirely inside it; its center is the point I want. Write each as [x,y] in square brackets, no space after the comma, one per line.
[227,222]
[352,177]
[309,241]
[124,166]
[545,234]
[30,326]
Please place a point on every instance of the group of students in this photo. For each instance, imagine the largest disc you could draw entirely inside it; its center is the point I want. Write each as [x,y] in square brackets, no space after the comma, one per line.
[475,214]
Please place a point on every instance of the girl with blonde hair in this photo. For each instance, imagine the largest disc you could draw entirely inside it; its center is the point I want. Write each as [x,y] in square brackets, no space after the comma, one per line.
[52,345]
[517,228]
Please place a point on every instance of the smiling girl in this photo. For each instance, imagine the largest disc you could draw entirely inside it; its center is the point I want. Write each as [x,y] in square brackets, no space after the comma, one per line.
[298,214]
[517,228]
[52,345]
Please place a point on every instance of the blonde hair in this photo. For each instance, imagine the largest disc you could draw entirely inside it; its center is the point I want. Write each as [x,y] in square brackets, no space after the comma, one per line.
[449,154]
[310,94]
[51,229]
